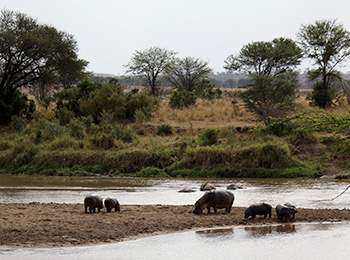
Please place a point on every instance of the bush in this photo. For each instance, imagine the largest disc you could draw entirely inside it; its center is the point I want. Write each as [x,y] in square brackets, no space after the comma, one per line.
[182,99]
[151,172]
[64,143]
[204,89]
[209,136]
[18,123]
[164,129]
[77,127]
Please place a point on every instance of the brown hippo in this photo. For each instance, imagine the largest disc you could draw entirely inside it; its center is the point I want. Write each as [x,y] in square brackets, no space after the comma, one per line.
[285,212]
[215,199]
[112,203]
[93,202]
[258,209]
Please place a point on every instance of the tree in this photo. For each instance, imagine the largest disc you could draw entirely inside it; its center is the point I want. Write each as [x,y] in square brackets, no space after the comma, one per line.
[327,44]
[266,58]
[271,96]
[272,88]
[150,64]
[31,52]
[185,73]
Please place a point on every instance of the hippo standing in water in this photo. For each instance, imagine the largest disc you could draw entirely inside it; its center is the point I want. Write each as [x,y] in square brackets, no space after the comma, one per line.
[112,203]
[92,202]
[215,199]
[285,211]
[258,209]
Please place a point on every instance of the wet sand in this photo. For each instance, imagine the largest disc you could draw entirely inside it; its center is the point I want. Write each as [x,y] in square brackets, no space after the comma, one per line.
[52,225]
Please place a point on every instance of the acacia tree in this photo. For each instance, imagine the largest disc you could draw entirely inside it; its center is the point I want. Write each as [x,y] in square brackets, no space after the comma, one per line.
[31,52]
[327,44]
[184,74]
[273,84]
[150,64]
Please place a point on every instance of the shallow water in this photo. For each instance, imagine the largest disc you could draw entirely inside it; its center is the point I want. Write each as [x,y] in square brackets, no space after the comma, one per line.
[306,193]
[325,241]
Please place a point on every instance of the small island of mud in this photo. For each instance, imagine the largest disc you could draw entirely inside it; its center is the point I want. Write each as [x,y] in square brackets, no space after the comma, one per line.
[51,225]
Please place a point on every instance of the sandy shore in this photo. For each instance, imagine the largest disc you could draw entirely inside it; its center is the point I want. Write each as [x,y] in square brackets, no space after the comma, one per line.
[47,225]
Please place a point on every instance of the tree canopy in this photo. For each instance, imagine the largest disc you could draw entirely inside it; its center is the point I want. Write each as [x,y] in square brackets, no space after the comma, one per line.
[266,58]
[327,44]
[30,51]
[33,54]
[150,64]
[185,73]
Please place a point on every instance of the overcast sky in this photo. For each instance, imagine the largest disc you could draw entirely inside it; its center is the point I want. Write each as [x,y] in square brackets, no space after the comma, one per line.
[108,32]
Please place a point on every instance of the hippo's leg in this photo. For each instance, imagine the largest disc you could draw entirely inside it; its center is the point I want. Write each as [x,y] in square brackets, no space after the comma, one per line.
[215,210]
[86,209]
[99,210]
[265,215]
[208,208]
[94,211]
[269,214]
[253,216]
[90,210]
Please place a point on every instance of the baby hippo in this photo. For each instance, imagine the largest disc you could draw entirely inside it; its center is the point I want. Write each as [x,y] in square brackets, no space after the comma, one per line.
[285,211]
[258,209]
[92,202]
[112,203]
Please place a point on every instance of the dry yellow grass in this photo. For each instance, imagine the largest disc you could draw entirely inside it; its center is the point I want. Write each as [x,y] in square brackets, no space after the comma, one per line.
[218,113]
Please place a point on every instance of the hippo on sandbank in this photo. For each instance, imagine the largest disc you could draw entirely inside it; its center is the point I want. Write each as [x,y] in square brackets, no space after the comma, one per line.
[216,200]
[258,209]
[286,211]
[92,202]
[111,203]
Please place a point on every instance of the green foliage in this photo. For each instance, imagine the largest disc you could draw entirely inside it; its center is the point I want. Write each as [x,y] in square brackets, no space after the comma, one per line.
[327,44]
[322,95]
[204,89]
[209,136]
[65,142]
[140,102]
[77,128]
[64,115]
[151,172]
[18,123]
[271,96]
[150,64]
[266,58]
[5,145]
[182,99]
[14,103]
[165,130]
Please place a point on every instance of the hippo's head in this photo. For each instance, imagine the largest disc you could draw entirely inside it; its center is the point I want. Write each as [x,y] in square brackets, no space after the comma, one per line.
[247,213]
[117,207]
[199,206]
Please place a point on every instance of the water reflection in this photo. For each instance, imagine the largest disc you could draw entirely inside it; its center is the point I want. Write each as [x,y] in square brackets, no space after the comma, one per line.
[258,231]
[289,242]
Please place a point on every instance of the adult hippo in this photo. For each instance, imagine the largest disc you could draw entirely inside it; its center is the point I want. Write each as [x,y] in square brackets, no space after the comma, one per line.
[111,203]
[215,199]
[92,202]
[285,212]
[258,209]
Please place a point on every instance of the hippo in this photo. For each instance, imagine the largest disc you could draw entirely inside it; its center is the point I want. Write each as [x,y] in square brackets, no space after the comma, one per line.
[290,206]
[112,203]
[93,202]
[258,209]
[215,199]
[207,186]
[285,212]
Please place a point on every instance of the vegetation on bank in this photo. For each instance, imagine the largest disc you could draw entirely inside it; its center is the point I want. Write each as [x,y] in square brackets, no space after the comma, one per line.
[295,146]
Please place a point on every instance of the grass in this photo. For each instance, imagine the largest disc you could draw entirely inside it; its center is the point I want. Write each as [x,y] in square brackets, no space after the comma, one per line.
[211,139]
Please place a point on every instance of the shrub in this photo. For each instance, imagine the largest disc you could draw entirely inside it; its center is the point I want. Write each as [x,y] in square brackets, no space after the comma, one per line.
[18,123]
[182,99]
[209,136]
[77,127]
[64,115]
[4,145]
[65,142]
[164,129]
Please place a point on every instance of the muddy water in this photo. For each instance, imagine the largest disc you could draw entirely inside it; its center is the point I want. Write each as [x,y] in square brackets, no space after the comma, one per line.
[307,193]
[325,241]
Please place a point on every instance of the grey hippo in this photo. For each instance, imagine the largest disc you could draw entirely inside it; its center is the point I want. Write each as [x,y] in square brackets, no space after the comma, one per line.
[92,202]
[285,211]
[258,209]
[111,203]
[216,200]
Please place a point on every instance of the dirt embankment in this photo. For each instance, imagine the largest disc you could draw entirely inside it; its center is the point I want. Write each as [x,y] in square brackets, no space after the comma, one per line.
[46,225]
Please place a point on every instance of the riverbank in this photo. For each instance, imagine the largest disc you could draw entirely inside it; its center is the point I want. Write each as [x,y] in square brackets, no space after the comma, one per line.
[52,225]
